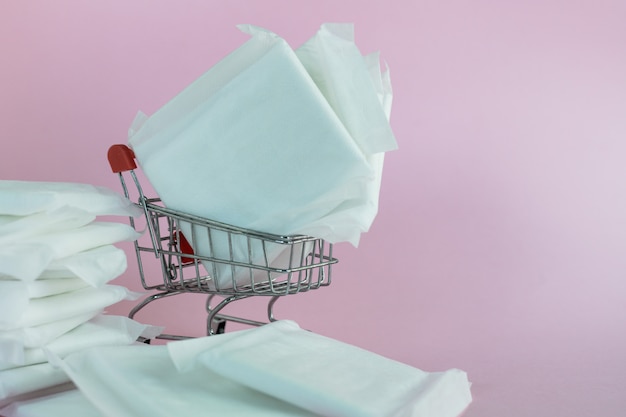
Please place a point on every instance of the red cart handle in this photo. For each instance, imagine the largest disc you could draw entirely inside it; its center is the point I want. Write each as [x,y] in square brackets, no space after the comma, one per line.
[121,158]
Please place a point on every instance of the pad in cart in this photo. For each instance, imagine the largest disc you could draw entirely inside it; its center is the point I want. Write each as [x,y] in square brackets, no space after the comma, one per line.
[199,255]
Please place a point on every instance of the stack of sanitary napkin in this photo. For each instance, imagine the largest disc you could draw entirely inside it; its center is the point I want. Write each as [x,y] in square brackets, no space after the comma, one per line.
[275,370]
[56,261]
[276,140]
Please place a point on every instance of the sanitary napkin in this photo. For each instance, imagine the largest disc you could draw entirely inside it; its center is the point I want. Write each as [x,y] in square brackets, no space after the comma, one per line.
[33,371]
[274,140]
[275,370]
[56,261]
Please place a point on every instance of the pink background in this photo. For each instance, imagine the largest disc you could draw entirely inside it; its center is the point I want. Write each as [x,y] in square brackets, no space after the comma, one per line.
[500,243]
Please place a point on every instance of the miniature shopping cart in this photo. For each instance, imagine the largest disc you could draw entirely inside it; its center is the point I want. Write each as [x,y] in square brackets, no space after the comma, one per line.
[224,262]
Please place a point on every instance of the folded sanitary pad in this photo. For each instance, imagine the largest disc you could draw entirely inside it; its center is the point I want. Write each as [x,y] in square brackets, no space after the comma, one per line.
[102,330]
[254,143]
[108,377]
[19,381]
[361,96]
[35,373]
[23,198]
[343,76]
[15,228]
[63,306]
[13,342]
[70,402]
[15,295]
[331,378]
[94,266]
[273,140]
[28,258]
[286,159]
[55,262]
[274,370]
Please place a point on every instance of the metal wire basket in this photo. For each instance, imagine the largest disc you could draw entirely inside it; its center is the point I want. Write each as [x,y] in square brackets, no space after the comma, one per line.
[229,262]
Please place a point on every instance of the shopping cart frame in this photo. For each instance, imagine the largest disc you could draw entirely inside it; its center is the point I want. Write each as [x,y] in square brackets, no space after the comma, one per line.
[308,265]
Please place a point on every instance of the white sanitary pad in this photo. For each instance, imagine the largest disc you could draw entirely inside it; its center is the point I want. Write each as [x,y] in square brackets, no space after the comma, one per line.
[285,159]
[95,266]
[63,306]
[27,258]
[255,115]
[36,373]
[16,340]
[26,379]
[23,198]
[343,76]
[108,377]
[331,378]
[275,370]
[15,295]
[102,330]
[62,404]
[274,140]
[40,321]
[16,228]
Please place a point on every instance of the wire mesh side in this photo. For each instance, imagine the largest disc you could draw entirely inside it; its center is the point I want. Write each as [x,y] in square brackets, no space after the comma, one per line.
[198,255]
[229,260]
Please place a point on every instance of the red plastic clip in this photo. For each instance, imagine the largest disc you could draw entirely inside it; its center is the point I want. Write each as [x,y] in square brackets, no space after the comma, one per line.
[121,158]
